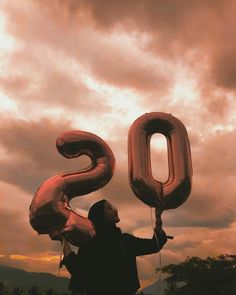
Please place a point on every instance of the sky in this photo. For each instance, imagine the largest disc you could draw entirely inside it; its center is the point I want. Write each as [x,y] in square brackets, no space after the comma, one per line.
[97,66]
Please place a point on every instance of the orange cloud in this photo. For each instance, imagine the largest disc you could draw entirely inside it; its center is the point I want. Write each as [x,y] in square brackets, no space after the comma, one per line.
[34,259]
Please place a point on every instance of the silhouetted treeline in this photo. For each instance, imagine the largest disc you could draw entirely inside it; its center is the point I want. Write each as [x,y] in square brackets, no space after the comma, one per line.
[33,290]
[196,276]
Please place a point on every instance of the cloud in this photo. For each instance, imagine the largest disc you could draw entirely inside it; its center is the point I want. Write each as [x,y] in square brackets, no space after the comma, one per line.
[216,155]
[20,245]
[212,199]
[177,28]
[199,241]
[101,64]
[66,41]
[25,242]
[41,81]
[31,154]
[49,87]
[224,68]
[127,66]
[190,31]
[32,158]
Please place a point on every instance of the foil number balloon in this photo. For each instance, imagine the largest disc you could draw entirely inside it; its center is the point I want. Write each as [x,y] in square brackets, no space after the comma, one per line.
[176,189]
[50,208]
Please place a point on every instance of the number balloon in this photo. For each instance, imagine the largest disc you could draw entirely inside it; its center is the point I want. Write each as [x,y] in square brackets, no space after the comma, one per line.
[50,208]
[176,189]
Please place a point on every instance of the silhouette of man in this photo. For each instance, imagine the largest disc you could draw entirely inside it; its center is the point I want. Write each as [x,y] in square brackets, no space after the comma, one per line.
[106,265]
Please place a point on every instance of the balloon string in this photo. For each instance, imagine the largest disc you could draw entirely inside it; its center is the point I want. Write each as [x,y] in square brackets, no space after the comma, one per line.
[70,209]
[61,254]
[160,261]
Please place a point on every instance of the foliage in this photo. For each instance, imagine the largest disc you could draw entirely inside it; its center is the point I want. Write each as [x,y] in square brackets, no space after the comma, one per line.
[17,291]
[33,290]
[2,288]
[196,276]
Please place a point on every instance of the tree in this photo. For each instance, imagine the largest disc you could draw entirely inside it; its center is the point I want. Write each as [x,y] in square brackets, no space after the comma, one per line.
[50,292]
[17,291]
[3,289]
[196,276]
[33,290]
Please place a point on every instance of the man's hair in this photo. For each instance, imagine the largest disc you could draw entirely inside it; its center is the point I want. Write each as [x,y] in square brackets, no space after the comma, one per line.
[96,213]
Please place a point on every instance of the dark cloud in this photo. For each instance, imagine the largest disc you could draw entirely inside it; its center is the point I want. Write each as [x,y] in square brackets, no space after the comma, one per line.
[212,199]
[224,68]
[31,151]
[216,157]
[184,244]
[146,15]
[124,69]
[187,30]
[212,216]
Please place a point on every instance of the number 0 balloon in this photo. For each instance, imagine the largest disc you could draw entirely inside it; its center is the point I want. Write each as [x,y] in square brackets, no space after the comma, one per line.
[50,208]
[176,189]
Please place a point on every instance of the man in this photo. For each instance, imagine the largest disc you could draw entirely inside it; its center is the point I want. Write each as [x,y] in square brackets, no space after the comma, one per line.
[106,265]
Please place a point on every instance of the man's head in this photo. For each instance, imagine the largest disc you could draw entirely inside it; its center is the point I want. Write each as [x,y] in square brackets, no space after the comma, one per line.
[103,213]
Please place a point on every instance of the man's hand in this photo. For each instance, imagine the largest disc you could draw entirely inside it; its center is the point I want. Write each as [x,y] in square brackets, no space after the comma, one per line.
[158,212]
[55,235]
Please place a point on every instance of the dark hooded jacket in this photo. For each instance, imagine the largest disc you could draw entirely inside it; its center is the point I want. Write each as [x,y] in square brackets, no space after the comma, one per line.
[107,264]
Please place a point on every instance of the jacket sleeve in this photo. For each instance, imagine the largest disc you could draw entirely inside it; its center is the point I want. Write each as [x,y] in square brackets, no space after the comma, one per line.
[138,246]
[72,263]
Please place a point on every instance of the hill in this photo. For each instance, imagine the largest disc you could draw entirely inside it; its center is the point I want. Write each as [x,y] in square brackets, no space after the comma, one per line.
[18,278]
[153,289]
[14,277]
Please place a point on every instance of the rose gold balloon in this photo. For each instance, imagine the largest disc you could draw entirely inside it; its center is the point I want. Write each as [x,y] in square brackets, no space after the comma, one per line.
[50,208]
[176,189]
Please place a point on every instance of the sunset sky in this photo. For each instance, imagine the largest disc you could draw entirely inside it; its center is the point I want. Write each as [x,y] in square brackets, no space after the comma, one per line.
[97,66]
